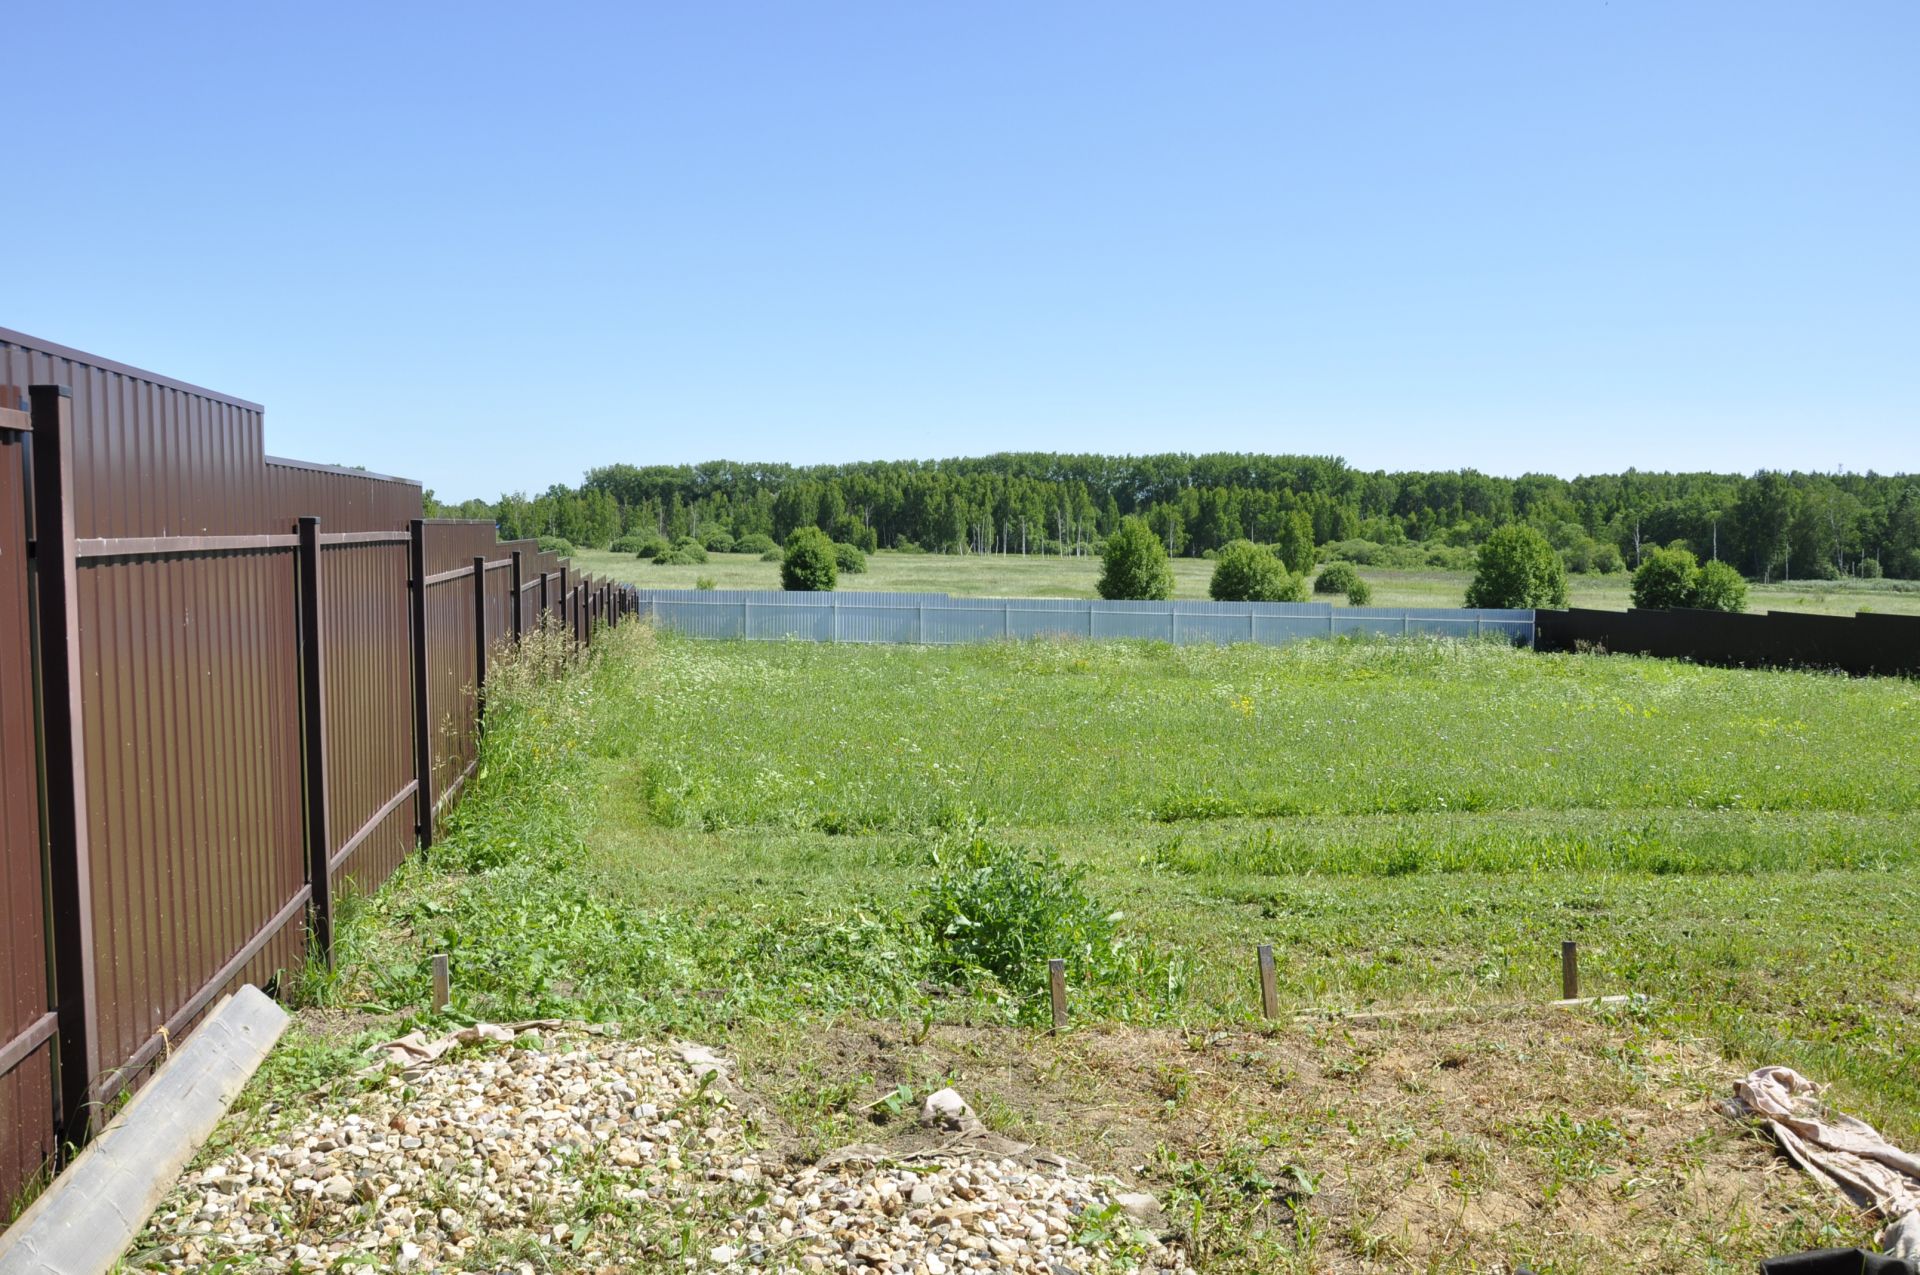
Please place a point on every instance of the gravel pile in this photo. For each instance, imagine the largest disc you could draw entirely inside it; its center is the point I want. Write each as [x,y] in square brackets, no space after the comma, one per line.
[588,1153]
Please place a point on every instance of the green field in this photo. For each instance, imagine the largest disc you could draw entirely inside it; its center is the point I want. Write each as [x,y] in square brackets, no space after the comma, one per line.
[994,575]
[848,866]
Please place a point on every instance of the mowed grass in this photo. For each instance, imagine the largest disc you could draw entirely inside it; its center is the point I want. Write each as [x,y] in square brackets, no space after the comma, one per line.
[1014,576]
[1408,822]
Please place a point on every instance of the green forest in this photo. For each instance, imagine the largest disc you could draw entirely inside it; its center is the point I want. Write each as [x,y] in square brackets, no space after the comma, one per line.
[1769,525]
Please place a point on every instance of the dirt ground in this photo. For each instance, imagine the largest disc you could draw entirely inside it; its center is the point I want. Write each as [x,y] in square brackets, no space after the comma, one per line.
[1546,1139]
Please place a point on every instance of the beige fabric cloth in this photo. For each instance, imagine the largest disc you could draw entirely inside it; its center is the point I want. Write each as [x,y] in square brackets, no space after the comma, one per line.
[1847,1154]
[414,1048]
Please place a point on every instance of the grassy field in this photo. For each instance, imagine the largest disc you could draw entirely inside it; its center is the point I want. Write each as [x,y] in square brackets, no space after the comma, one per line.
[993,575]
[849,865]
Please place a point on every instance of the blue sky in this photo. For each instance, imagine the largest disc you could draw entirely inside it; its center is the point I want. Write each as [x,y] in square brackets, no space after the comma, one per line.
[489,247]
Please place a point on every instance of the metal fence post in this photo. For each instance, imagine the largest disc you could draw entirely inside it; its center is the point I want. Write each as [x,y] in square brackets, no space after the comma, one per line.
[313,722]
[479,638]
[545,605]
[519,600]
[563,597]
[63,756]
[422,720]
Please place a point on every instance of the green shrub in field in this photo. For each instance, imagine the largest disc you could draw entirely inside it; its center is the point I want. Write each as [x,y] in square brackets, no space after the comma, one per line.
[1719,587]
[1336,577]
[717,540]
[693,549]
[1518,569]
[903,545]
[995,911]
[1664,578]
[556,545]
[706,584]
[1134,564]
[680,558]
[1247,572]
[1673,578]
[628,544]
[1359,593]
[775,554]
[758,542]
[849,559]
[1870,568]
[810,564]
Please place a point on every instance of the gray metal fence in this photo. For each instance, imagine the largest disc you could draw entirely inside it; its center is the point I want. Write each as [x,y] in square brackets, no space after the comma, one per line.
[940,619]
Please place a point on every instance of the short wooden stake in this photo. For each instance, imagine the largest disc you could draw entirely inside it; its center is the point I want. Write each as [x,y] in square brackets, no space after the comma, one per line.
[442,983]
[1569,970]
[1057,980]
[1269,993]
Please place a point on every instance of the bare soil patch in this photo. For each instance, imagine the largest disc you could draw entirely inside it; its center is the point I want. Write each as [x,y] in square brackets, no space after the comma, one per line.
[1487,1141]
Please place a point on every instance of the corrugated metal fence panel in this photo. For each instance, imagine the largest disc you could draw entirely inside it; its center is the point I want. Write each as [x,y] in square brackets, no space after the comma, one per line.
[191,707]
[450,678]
[941,619]
[26,1087]
[369,682]
[342,499]
[152,456]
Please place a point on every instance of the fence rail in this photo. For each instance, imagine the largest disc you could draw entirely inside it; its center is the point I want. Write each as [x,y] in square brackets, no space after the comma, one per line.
[211,718]
[939,619]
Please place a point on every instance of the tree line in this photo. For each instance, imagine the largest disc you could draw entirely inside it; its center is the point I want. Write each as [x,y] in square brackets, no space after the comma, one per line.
[1767,525]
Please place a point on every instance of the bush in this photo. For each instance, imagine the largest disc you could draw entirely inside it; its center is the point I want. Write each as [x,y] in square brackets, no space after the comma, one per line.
[1359,593]
[775,554]
[706,584]
[809,565]
[1518,569]
[903,545]
[1869,568]
[557,545]
[1336,577]
[1247,572]
[717,540]
[680,558]
[758,542]
[691,547]
[849,559]
[1664,578]
[996,911]
[1673,578]
[1135,564]
[1719,587]
[629,544]
[1606,558]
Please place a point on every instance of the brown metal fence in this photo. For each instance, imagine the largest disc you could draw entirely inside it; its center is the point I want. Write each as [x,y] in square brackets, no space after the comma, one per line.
[242,685]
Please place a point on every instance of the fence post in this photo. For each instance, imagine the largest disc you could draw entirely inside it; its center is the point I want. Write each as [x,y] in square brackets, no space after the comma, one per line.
[546,606]
[479,638]
[564,598]
[519,599]
[422,720]
[63,756]
[313,722]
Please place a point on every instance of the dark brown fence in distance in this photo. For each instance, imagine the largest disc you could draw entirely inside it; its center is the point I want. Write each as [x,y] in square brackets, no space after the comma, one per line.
[1860,644]
[257,682]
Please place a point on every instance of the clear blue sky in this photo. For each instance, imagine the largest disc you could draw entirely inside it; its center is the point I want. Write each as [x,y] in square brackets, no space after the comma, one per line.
[489,247]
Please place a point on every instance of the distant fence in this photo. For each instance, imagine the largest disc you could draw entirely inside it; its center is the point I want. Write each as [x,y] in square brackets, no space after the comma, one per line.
[1861,644]
[939,619]
[239,683]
